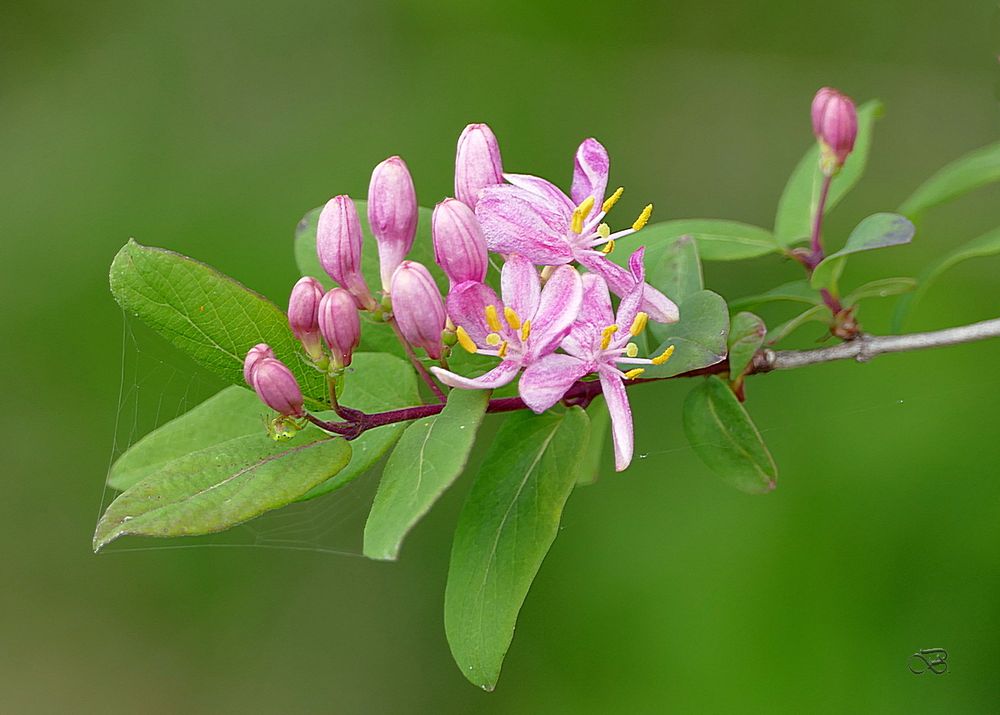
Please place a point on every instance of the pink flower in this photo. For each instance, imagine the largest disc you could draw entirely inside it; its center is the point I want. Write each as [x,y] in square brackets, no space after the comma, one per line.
[597,343]
[835,124]
[534,218]
[257,353]
[526,325]
[340,326]
[417,307]
[338,247]
[276,387]
[392,214]
[477,163]
[459,246]
[303,315]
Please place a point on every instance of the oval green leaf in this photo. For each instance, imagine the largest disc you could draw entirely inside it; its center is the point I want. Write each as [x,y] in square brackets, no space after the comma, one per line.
[975,169]
[699,337]
[879,230]
[508,522]
[725,438]
[746,335]
[717,239]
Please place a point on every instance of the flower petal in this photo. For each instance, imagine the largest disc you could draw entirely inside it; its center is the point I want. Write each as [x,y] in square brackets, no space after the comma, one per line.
[497,377]
[467,308]
[546,189]
[621,281]
[517,221]
[659,307]
[621,416]
[520,286]
[558,307]
[590,174]
[583,339]
[545,382]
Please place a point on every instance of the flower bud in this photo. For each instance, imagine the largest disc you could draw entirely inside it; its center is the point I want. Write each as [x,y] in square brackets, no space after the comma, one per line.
[835,124]
[477,163]
[338,246]
[339,325]
[459,244]
[392,214]
[276,387]
[417,307]
[303,315]
[255,355]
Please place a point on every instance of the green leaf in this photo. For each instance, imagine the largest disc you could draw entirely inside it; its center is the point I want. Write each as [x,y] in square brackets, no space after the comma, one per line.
[377,382]
[223,485]
[210,316]
[508,522]
[725,438]
[718,240]
[817,313]
[793,221]
[431,454]
[794,291]
[879,230]
[975,169]
[600,425]
[986,245]
[882,288]
[746,335]
[676,270]
[699,337]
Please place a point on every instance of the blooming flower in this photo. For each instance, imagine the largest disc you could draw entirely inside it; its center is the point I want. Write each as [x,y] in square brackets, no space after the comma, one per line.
[534,218]
[597,343]
[526,325]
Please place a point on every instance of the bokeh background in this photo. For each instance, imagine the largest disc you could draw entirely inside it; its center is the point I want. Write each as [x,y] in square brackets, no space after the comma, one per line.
[211,127]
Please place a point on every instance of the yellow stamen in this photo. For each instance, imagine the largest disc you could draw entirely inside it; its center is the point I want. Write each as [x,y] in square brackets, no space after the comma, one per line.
[576,223]
[632,374]
[525,330]
[492,319]
[643,218]
[613,199]
[604,230]
[502,352]
[639,323]
[664,356]
[606,336]
[587,206]
[513,319]
[608,247]
[493,339]
[464,340]
[631,350]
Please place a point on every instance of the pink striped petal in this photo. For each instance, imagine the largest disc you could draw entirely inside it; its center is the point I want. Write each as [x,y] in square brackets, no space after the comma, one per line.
[517,221]
[621,416]
[467,308]
[497,377]
[590,174]
[545,189]
[558,307]
[621,281]
[520,286]
[545,382]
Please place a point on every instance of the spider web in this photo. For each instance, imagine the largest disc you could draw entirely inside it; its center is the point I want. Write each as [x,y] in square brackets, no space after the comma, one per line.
[158,383]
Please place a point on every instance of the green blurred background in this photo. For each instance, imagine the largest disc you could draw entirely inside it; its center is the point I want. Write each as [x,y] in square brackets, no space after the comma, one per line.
[210,128]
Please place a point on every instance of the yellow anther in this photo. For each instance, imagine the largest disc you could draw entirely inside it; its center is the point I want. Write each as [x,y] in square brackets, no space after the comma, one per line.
[493,339]
[606,336]
[525,330]
[576,223]
[638,323]
[608,247]
[631,350]
[513,319]
[613,199]
[492,319]
[604,230]
[502,352]
[632,374]
[643,217]
[587,206]
[663,357]
[464,340]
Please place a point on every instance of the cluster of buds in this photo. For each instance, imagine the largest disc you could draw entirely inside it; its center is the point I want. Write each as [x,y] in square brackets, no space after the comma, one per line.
[316,317]
[835,124]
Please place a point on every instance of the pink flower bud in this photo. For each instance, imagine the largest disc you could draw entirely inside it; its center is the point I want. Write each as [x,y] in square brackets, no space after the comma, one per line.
[276,387]
[303,315]
[417,307]
[459,244]
[338,246]
[835,124]
[477,163]
[340,325]
[392,214]
[255,355]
